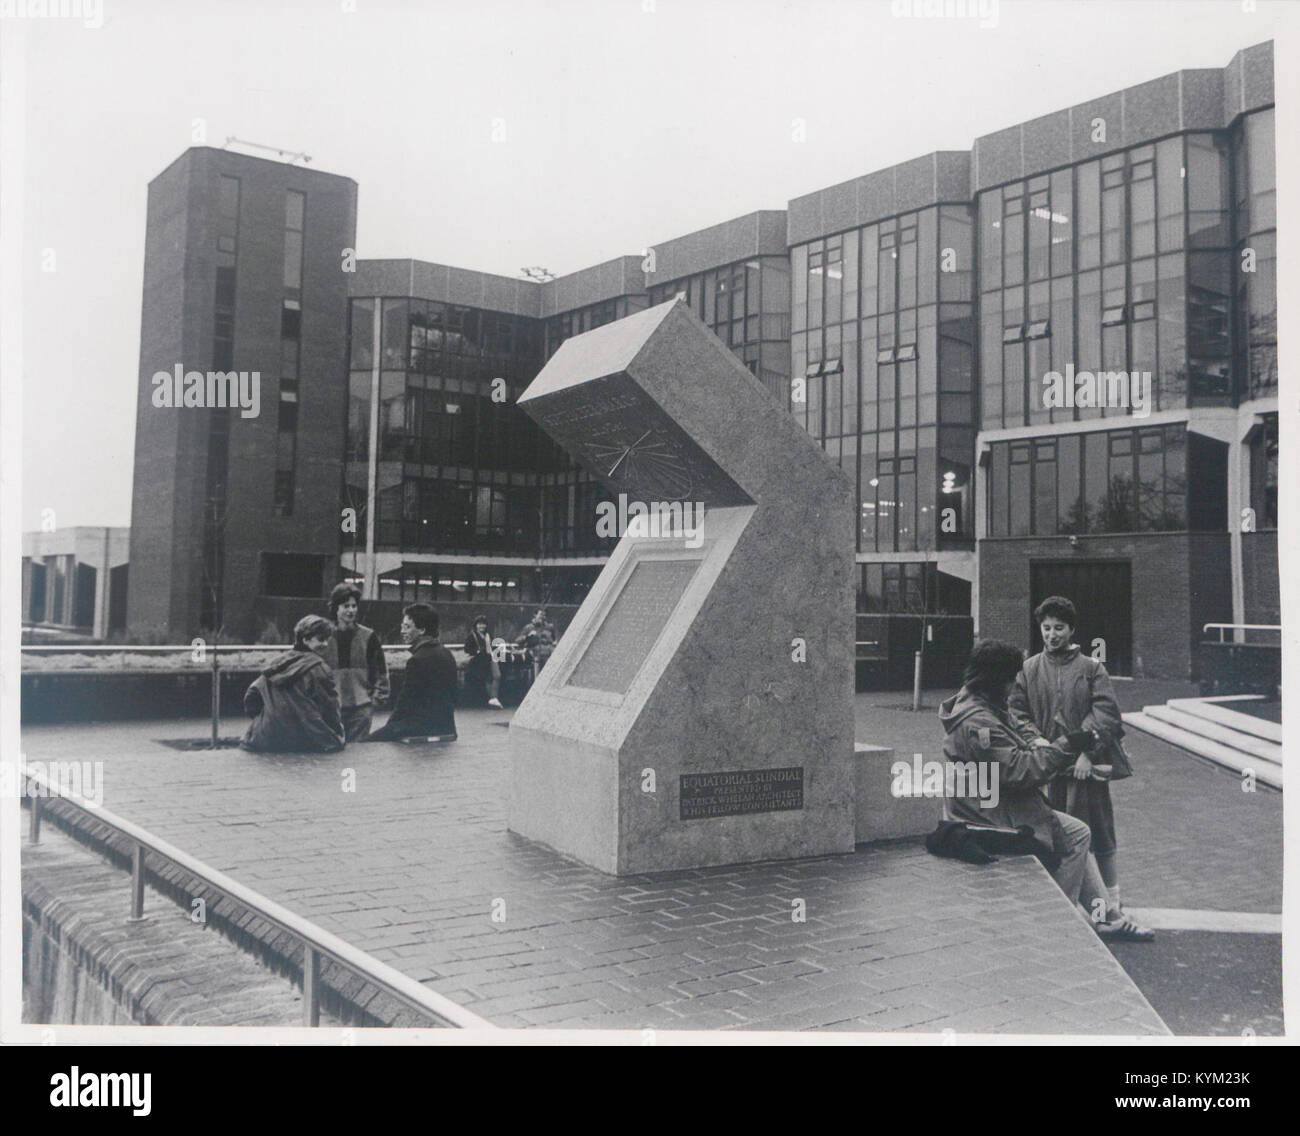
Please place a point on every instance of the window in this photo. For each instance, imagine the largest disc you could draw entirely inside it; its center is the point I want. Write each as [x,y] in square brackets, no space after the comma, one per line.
[1207,190]
[1263,473]
[228,197]
[1038,329]
[1261,172]
[1019,487]
[1013,334]
[1131,480]
[1111,316]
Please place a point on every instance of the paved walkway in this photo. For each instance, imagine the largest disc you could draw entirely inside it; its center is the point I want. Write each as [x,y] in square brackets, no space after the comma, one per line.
[415,865]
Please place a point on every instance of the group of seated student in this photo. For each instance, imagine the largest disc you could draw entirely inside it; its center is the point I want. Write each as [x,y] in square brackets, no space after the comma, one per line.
[322,694]
[1051,726]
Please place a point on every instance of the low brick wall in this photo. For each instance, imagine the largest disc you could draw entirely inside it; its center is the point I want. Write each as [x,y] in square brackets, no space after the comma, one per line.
[84,963]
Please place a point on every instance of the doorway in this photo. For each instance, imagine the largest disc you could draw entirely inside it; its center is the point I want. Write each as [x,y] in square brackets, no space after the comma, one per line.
[1102,592]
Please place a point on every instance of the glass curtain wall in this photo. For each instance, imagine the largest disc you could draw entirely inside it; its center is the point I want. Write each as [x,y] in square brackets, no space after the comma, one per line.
[882,335]
[1125,263]
[747,305]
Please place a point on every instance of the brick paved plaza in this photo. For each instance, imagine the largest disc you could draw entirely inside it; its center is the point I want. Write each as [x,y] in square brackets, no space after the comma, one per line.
[412,865]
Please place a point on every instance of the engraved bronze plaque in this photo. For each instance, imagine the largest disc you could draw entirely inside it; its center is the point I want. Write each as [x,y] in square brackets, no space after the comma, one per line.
[741,791]
[632,624]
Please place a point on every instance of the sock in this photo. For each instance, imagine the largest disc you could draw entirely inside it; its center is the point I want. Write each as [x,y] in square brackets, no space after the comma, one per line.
[1112,893]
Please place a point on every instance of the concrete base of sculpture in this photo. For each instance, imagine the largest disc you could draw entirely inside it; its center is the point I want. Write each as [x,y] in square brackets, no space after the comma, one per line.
[880,814]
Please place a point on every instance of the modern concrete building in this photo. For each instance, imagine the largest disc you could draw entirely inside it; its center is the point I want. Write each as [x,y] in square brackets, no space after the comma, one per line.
[243,276]
[75,579]
[911,319]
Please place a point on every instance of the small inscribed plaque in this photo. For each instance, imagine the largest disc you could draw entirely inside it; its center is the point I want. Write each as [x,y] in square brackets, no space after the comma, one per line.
[632,625]
[741,791]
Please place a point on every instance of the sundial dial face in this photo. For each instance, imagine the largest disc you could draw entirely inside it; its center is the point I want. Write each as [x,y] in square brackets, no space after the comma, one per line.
[625,439]
[650,462]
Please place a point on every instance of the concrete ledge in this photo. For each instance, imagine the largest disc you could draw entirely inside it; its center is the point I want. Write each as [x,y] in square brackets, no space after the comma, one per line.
[880,815]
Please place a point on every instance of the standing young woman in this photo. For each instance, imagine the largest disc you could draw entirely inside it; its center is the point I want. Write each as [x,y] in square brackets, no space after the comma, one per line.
[482,672]
[1059,690]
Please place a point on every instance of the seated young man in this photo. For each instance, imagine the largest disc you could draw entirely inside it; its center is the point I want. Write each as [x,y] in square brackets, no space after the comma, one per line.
[293,702]
[979,728]
[426,706]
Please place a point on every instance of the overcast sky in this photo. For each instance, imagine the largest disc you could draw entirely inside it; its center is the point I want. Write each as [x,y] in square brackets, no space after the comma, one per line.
[623,128]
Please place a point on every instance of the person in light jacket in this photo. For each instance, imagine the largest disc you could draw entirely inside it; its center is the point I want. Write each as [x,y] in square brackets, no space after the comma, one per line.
[356,657]
[1061,689]
[293,702]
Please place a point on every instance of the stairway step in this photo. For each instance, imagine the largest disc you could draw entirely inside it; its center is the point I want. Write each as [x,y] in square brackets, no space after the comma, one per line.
[1233,719]
[1265,771]
[1225,735]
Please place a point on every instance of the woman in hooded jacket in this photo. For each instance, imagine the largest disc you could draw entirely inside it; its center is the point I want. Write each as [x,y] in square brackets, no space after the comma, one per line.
[293,702]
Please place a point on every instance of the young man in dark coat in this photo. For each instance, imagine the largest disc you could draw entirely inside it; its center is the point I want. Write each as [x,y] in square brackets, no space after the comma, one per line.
[426,705]
[293,702]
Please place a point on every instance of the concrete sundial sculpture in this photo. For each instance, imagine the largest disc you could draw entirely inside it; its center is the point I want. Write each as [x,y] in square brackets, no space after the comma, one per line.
[698,710]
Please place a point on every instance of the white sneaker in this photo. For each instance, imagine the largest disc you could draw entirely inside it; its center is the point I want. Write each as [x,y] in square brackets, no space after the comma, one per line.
[495,703]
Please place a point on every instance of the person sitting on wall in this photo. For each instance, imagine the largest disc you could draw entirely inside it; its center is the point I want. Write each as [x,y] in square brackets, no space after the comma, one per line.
[979,728]
[426,705]
[293,702]
[482,671]
[356,657]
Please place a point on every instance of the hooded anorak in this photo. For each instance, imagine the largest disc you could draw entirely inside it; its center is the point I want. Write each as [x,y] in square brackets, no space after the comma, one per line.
[294,706]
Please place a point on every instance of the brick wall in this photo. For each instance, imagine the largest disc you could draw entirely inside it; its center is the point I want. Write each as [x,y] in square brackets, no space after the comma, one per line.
[1180,581]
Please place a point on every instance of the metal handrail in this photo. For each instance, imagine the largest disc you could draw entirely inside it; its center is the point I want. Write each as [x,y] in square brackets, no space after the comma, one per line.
[316,941]
[215,669]
[109,649]
[1235,627]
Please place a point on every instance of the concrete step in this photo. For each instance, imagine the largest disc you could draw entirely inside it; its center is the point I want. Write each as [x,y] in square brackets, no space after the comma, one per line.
[1233,719]
[1265,771]
[1225,735]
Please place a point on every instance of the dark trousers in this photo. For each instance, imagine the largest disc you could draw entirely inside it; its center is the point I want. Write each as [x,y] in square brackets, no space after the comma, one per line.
[356,722]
